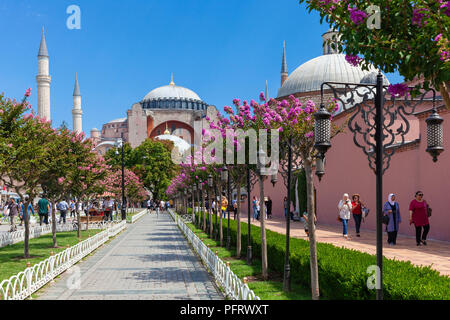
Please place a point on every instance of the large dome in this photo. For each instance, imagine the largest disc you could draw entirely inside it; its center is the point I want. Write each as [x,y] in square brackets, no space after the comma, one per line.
[326,68]
[173,97]
[172,91]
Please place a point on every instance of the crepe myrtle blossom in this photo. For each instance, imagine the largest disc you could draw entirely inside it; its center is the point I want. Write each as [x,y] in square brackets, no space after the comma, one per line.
[28,92]
[356,15]
[354,60]
[445,7]
[398,90]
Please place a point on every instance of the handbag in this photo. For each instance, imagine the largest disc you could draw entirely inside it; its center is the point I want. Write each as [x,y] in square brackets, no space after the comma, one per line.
[385,220]
[429,211]
[339,219]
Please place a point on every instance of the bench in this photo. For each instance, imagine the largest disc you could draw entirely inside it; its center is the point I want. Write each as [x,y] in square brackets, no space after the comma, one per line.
[91,219]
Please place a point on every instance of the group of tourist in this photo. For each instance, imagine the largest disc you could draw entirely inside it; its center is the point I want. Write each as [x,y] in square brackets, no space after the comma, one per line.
[267,208]
[14,209]
[156,205]
[419,212]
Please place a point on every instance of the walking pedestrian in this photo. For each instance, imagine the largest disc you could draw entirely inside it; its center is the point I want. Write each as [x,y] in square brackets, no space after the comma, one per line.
[392,210]
[44,209]
[285,206]
[22,210]
[269,208]
[21,213]
[149,206]
[63,206]
[255,208]
[357,212]
[224,206]
[345,207]
[418,214]
[5,212]
[234,208]
[13,211]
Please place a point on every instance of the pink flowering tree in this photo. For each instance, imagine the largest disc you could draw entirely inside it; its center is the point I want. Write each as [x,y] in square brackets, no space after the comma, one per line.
[237,120]
[412,38]
[86,173]
[25,143]
[134,188]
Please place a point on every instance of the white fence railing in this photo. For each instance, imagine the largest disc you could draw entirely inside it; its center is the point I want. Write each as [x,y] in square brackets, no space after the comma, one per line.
[8,238]
[138,216]
[25,283]
[233,286]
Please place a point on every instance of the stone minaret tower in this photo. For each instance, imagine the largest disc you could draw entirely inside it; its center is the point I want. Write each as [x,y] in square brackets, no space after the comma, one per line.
[330,37]
[284,69]
[76,111]
[43,80]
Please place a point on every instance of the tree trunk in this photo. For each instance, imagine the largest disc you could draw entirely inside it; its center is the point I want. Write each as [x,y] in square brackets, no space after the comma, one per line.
[79,222]
[55,243]
[312,229]
[263,229]
[201,210]
[220,216]
[27,231]
[210,214]
[238,221]
[87,216]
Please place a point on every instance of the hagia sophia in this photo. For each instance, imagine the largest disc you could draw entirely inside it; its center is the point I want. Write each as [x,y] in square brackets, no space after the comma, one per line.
[171,112]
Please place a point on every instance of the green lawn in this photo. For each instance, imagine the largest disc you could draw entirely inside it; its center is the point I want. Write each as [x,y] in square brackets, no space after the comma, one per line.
[11,257]
[266,290]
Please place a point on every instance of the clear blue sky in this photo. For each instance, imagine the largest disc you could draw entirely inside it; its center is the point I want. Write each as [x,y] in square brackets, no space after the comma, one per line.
[220,49]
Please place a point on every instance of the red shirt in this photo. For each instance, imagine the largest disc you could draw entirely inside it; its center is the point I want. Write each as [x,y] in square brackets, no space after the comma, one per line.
[419,213]
[356,208]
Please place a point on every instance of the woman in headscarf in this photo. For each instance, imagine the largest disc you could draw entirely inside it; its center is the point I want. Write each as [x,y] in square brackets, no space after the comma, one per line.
[392,210]
[345,209]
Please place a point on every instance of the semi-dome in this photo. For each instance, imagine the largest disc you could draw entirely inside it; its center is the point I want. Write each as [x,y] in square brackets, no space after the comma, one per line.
[326,68]
[173,97]
[179,143]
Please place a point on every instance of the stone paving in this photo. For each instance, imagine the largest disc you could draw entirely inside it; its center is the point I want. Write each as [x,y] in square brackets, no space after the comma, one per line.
[151,260]
[436,254]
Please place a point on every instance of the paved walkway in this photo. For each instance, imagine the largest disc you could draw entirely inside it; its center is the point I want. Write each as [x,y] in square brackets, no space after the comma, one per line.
[151,260]
[436,254]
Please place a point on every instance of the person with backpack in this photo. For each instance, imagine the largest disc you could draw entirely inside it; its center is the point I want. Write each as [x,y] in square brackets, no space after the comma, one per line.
[392,210]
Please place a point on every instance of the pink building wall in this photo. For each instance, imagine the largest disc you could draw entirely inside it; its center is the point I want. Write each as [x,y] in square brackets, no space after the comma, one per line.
[411,169]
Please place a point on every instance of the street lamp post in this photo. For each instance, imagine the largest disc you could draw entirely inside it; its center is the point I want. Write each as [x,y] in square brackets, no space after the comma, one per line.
[119,144]
[373,117]
[249,243]
[210,186]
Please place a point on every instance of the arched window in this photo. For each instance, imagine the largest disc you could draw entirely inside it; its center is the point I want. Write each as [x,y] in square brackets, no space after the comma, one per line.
[184,105]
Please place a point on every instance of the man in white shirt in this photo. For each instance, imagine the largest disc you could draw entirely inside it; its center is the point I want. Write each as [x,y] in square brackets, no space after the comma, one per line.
[108,204]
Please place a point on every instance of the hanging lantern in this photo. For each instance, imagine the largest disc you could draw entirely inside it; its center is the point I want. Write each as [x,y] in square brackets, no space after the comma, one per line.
[320,167]
[200,186]
[195,187]
[322,130]
[435,135]
[210,181]
[274,179]
[224,174]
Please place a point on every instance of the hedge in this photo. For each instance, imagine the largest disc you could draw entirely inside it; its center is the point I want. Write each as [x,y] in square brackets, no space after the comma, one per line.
[343,272]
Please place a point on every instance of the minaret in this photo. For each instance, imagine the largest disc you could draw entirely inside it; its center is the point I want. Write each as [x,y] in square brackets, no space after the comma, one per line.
[267,91]
[284,69]
[43,80]
[330,37]
[76,111]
